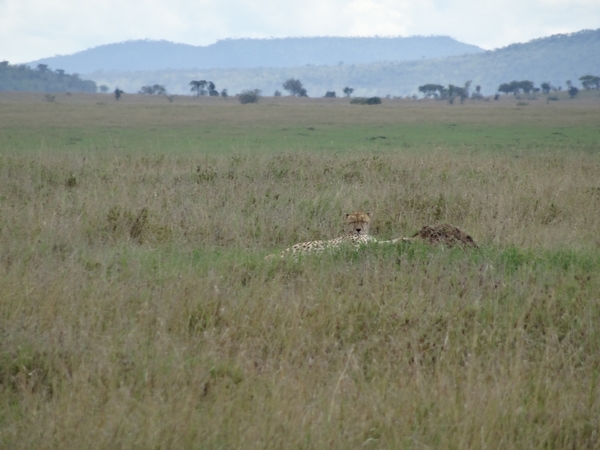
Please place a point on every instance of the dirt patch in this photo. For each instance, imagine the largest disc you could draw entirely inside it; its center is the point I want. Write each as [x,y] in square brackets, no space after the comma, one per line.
[445,234]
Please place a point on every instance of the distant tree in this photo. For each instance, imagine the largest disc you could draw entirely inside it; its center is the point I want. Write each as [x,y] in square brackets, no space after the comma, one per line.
[294,87]
[477,94]
[452,93]
[198,87]
[545,87]
[573,91]
[60,73]
[458,92]
[590,82]
[431,90]
[330,94]
[526,86]
[211,89]
[103,88]
[224,93]
[249,96]
[348,91]
[505,88]
[42,68]
[118,93]
[515,87]
[277,94]
[157,89]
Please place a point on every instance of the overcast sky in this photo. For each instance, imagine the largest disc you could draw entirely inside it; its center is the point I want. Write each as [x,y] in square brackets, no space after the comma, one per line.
[33,29]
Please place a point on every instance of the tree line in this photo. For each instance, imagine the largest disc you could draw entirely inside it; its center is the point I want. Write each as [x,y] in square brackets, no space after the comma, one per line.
[41,79]
[451,92]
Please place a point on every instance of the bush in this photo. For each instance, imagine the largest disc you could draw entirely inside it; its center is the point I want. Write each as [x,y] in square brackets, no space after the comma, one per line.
[249,96]
[366,101]
[330,94]
[573,91]
[157,89]
[294,87]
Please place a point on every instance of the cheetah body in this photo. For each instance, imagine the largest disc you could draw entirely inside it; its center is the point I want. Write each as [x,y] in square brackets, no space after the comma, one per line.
[353,239]
[357,235]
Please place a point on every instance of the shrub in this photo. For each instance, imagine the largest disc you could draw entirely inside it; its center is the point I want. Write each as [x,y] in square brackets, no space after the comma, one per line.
[330,94]
[366,101]
[249,96]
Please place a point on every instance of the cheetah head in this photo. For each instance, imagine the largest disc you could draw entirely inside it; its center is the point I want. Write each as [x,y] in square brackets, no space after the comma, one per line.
[358,222]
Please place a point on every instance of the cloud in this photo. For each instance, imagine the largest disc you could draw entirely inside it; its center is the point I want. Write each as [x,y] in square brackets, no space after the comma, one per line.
[32,29]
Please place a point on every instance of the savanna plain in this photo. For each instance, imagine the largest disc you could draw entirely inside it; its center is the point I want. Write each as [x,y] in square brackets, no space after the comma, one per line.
[137,309]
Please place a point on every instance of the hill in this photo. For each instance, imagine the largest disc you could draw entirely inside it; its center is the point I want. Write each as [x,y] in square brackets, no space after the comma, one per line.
[42,79]
[253,53]
[553,59]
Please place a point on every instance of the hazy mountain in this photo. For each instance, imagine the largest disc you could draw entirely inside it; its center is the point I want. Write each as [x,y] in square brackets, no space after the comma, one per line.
[23,78]
[554,59]
[253,53]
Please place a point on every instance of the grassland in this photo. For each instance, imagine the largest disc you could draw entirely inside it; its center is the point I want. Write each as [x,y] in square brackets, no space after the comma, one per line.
[137,309]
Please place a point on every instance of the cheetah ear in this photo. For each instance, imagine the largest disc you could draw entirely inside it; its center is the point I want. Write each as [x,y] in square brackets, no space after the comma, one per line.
[369,214]
[347,215]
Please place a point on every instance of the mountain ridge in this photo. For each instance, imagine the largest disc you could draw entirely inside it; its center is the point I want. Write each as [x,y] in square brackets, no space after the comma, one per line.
[256,53]
[553,59]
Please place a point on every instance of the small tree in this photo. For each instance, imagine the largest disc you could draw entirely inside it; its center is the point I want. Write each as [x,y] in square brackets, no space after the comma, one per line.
[277,94]
[198,87]
[505,88]
[573,91]
[590,82]
[103,88]
[330,94]
[477,94]
[249,96]
[545,87]
[526,86]
[431,90]
[348,91]
[458,92]
[516,86]
[157,89]
[118,93]
[294,87]
[224,93]
[211,89]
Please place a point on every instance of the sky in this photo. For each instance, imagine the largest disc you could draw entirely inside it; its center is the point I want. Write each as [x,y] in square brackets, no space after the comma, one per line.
[34,29]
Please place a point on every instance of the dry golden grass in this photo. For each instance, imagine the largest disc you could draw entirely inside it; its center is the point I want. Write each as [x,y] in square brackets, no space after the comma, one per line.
[138,311]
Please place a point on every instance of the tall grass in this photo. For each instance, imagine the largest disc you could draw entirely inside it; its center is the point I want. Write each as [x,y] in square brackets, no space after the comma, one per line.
[138,310]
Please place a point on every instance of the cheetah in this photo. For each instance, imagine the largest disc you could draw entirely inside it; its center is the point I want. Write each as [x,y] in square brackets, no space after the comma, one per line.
[357,235]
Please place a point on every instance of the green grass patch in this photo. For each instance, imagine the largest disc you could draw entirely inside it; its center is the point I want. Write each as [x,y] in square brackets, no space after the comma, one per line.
[321,138]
